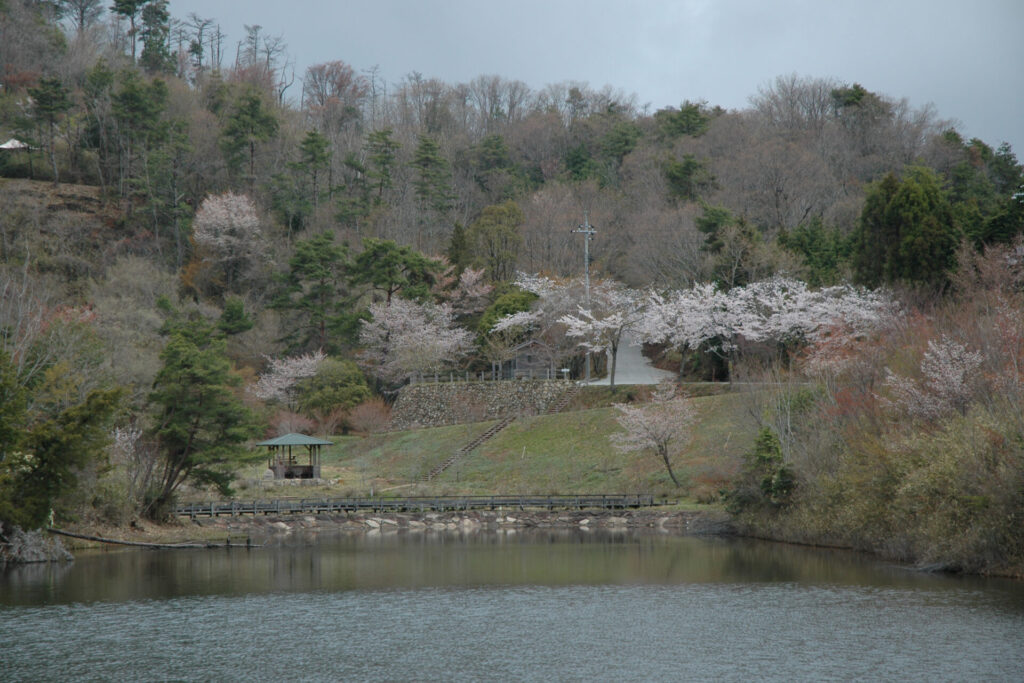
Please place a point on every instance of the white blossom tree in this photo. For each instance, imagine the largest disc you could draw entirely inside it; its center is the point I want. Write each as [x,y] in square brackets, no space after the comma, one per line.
[278,382]
[779,309]
[655,425]
[407,339]
[470,295]
[543,322]
[689,318]
[614,309]
[226,230]
[136,460]
[948,383]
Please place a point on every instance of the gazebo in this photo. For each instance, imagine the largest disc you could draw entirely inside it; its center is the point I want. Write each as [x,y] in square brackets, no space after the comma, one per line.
[283,462]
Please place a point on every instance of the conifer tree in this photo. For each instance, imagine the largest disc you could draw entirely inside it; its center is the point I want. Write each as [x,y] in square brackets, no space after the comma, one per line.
[381,150]
[248,124]
[50,101]
[200,423]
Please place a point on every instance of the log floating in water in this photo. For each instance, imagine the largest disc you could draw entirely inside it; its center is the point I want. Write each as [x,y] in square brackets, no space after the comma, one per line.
[140,544]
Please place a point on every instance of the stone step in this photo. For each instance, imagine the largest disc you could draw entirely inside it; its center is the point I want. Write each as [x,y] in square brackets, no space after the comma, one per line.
[564,400]
[472,445]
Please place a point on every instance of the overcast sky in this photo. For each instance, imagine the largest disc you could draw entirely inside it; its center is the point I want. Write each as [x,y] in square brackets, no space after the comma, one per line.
[964,56]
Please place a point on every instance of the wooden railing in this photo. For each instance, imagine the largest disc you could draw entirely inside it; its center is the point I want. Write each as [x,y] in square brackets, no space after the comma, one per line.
[312,506]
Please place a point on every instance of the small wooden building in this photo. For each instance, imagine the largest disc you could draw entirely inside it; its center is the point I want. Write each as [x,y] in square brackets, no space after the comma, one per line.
[533,359]
[284,462]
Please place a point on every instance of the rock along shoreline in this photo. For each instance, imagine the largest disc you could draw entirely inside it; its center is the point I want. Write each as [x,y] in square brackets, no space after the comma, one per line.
[677,522]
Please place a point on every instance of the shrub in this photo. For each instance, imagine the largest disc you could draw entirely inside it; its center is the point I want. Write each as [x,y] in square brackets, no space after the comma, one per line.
[370,416]
[286,422]
[766,481]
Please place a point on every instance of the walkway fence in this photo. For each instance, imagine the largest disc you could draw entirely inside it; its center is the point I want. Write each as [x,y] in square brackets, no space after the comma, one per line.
[313,506]
[483,376]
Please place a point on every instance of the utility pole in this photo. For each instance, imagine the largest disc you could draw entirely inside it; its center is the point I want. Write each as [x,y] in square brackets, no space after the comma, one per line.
[588,232]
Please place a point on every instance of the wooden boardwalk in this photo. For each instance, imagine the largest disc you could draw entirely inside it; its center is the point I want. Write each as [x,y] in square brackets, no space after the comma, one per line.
[314,506]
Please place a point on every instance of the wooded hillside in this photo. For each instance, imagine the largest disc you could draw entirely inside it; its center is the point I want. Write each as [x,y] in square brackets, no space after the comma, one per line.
[182,217]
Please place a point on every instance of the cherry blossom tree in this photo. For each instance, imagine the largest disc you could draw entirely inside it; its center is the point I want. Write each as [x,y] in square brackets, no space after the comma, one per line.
[405,339]
[656,425]
[226,230]
[470,294]
[277,383]
[688,318]
[544,321]
[779,309]
[136,459]
[561,321]
[948,383]
[614,309]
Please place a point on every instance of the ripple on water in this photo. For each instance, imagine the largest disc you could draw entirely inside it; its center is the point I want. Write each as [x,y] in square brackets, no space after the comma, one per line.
[666,610]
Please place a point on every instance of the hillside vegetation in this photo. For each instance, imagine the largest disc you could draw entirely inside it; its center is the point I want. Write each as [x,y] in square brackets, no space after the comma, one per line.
[194,256]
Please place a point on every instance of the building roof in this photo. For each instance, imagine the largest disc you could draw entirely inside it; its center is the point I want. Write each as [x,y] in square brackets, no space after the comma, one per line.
[530,342]
[14,144]
[295,440]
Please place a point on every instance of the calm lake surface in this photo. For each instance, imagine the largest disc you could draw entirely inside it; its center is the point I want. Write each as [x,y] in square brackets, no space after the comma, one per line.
[558,606]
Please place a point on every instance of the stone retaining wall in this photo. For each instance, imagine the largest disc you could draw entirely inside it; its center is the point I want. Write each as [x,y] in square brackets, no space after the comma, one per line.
[434,405]
[677,522]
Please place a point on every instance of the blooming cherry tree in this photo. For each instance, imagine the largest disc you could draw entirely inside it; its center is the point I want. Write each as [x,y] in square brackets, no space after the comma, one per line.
[544,322]
[470,295]
[282,374]
[779,309]
[688,318]
[948,381]
[656,425]
[614,310]
[226,230]
[407,338]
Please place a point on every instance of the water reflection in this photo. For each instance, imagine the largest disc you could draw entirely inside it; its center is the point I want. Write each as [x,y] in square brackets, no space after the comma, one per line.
[304,563]
[535,606]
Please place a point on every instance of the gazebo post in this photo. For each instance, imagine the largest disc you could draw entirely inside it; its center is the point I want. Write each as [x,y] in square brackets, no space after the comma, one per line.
[288,468]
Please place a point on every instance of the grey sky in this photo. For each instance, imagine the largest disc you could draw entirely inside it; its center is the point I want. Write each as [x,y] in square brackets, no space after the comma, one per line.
[964,56]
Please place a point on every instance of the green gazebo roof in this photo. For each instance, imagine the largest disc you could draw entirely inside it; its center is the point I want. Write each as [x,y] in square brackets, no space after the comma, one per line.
[295,440]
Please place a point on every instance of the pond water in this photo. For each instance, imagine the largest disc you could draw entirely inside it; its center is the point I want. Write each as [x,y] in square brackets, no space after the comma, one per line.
[563,606]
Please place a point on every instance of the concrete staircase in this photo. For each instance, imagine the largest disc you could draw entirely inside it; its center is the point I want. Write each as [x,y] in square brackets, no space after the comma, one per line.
[468,448]
[557,407]
[564,400]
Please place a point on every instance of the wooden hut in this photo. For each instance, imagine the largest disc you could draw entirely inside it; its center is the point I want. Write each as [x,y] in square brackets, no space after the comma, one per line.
[532,359]
[284,462]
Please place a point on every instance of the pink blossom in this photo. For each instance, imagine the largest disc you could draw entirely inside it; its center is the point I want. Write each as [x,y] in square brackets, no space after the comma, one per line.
[948,382]
[654,426]
[227,225]
[779,309]
[407,338]
[283,374]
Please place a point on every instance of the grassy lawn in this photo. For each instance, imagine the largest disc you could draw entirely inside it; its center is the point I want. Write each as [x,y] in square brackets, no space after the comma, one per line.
[549,454]
[571,453]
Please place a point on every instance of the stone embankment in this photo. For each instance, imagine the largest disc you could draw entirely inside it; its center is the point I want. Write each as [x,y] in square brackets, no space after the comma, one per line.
[677,522]
[24,547]
[436,405]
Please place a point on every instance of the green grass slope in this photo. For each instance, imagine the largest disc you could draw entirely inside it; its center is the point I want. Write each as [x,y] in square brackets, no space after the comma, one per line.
[566,453]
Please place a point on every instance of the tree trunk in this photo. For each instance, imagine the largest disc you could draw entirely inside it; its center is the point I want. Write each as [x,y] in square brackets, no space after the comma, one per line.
[668,466]
[614,346]
[53,156]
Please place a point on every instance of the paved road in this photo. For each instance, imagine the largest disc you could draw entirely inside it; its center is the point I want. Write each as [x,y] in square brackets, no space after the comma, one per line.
[633,368]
